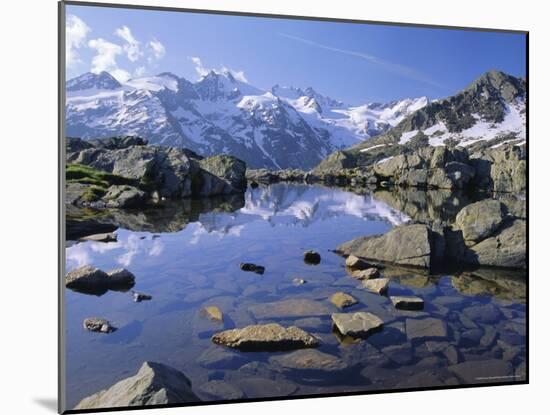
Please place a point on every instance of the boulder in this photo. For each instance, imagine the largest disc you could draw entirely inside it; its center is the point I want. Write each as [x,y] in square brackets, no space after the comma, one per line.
[359,324]
[342,300]
[216,390]
[407,302]
[356,263]
[479,220]
[507,248]
[378,285]
[154,384]
[229,169]
[120,277]
[265,337]
[123,196]
[86,277]
[408,245]
[246,266]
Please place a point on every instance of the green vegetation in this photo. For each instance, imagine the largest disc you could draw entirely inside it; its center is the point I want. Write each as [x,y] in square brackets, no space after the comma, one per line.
[98,181]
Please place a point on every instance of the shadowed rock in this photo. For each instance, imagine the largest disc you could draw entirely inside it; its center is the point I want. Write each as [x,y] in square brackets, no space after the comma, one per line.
[98,325]
[407,302]
[312,257]
[378,285]
[309,362]
[154,384]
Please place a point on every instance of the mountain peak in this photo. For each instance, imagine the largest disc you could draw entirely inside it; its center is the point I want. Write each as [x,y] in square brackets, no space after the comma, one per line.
[495,83]
[89,80]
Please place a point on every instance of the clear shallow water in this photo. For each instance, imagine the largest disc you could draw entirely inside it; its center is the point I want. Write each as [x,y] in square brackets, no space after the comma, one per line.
[197,264]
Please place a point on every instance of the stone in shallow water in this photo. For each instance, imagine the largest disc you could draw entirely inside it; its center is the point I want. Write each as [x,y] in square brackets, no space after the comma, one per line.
[265,337]
[492,370]
[312,257]
[221,390]
[154,384]
[342,300]
[100,237]
[378,285]
[246,266]
[213,313]
[298,281]
[486,314]
[357,263]
[365,274]
[121,277]
[426,328]
[407,302]
[359,324]
[139,297]
[256,387]
[99,325]
[289,308]
[218,357]
[309,361]
[86,277]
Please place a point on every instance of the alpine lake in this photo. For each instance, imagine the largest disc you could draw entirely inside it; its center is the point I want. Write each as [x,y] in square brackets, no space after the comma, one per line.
[186,256]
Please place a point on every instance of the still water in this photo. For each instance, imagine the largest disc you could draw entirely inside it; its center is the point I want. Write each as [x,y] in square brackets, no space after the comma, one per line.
[187,257]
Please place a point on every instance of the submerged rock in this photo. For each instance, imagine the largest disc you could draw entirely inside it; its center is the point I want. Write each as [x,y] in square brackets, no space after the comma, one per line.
[213,313]
[378,285]
[359,324]
[246,266]
[312,257]
[483,370]
[98,325]
[221,390]
[309,362]
[154,384]
[290,308]
[407,302]
[265,337]
[425,329]
[342,300]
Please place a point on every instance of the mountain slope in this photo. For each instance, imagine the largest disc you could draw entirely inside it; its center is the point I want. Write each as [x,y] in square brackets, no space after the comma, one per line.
[277,128]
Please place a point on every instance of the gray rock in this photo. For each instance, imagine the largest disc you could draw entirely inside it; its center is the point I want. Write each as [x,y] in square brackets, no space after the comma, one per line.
[479,220]
[120,277]
[263,337]
[123,196]
[486,314]
[342,300]
[407,302]
[408,245]
[216,390]
[220,358]
[257,387]
[425,329]
[378,285]
[86,277]
[365,274]
[359,324]
[228,169]
[154,384]
[98,325]
[356,263]
[507,248]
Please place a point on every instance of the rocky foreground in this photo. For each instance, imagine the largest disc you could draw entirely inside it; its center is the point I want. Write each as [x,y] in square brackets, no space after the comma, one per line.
[125,172]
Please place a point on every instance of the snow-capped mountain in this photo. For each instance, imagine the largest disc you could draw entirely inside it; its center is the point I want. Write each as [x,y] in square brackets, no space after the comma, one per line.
[277,128]
[490,109]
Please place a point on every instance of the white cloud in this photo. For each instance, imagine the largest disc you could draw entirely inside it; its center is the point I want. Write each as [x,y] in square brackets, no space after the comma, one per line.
[76,32]
[157,48]
[105,59]
[131,45]
[203,71]
[140,71]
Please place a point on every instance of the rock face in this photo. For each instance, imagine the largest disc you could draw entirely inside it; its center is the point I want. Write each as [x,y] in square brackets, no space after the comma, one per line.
[359,324]
[265,337]
[342,300]
[138,171]
[501,169]
[407,245]
[154,384]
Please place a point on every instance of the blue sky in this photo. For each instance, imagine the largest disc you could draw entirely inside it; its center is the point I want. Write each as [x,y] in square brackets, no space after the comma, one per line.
[355,63]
